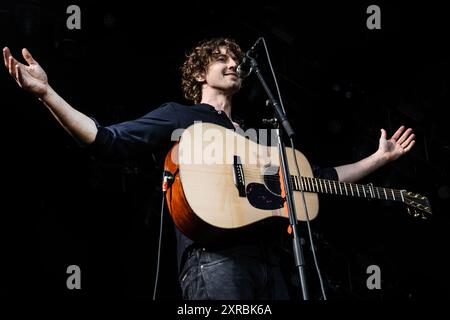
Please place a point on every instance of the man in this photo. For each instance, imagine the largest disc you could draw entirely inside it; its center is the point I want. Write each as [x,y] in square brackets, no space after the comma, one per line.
[240,270]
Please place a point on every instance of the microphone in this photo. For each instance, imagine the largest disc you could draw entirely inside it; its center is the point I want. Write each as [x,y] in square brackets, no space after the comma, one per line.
[245,68]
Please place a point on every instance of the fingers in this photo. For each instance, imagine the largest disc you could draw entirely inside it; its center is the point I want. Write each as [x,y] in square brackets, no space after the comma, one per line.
[18,76]
[409,146]
[27,56]
[397,134]
[6,54]
[404,136]
[406,143]
[14,69]
[383,134]
[9,60]
[13,66]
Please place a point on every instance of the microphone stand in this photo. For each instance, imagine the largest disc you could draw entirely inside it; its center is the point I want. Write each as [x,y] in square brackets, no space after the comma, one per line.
[282,119]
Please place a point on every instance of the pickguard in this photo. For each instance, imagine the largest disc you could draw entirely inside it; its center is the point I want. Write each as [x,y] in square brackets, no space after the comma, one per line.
[266,196]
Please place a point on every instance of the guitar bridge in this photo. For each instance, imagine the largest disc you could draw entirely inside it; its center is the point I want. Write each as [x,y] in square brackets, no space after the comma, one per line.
[238,176]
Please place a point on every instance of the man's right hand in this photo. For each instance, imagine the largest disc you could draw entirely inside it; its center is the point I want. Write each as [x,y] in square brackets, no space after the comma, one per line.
[30,77]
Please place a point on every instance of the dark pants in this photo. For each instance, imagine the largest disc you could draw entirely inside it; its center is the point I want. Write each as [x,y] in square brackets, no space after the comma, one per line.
[245,272]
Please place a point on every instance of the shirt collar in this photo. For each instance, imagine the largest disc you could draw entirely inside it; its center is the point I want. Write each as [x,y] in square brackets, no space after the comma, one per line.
[202,105]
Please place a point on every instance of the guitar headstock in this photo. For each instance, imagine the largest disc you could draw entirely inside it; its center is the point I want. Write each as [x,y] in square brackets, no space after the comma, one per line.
[417,205]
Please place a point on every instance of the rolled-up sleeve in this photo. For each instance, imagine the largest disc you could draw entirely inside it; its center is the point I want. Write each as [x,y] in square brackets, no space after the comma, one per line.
[129,139]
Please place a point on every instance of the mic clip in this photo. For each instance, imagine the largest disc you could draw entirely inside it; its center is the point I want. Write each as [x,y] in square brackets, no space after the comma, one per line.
[246,67]
[168,180]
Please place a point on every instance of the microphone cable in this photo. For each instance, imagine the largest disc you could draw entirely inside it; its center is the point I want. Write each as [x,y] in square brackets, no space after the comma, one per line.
[311,241]
[165,179]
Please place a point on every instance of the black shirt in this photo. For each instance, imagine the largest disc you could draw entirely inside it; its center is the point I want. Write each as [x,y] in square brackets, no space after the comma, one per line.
[151,134]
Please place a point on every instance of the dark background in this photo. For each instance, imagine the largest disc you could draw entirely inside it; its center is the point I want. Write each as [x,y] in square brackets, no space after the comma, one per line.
[340,81]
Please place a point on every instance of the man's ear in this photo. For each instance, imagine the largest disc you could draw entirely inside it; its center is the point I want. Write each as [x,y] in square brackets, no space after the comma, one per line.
[200,77]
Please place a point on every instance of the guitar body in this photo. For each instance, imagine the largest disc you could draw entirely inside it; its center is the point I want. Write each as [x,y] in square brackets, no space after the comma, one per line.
[224,183]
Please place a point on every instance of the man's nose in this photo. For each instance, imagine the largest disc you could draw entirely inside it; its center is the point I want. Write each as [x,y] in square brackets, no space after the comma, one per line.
[232,64]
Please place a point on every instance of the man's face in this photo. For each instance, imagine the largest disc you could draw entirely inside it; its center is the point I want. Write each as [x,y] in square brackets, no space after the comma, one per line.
[221,73]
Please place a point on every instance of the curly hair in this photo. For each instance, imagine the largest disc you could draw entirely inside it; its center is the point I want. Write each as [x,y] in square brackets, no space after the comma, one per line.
[197,62]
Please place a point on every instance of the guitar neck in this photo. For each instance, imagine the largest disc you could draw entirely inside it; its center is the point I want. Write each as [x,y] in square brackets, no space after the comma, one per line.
[346,189]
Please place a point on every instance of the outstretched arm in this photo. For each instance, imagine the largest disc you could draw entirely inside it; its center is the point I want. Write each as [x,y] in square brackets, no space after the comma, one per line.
[389,150]
[33,79]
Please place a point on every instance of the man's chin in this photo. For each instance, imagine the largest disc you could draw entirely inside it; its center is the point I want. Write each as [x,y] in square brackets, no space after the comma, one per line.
[236,87]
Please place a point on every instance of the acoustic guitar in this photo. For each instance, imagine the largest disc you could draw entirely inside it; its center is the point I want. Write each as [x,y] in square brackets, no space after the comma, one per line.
[221,182]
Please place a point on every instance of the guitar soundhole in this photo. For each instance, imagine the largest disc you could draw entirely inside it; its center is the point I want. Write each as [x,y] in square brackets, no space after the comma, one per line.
[272,181]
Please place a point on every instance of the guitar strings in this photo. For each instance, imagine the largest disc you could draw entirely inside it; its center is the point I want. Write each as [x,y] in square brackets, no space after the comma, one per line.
[326,185]
[323,184]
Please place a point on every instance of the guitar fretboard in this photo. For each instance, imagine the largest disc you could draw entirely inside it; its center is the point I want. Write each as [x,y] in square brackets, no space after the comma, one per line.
[344,188]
